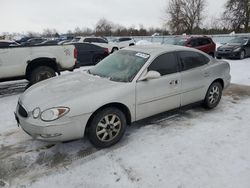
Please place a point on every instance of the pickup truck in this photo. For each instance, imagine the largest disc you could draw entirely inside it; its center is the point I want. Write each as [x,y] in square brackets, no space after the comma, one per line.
[35,63]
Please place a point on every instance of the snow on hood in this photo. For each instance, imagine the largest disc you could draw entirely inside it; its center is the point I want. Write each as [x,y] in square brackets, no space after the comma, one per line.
[60,90]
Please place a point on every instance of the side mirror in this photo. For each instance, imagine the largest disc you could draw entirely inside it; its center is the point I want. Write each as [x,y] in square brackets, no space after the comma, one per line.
[150,75]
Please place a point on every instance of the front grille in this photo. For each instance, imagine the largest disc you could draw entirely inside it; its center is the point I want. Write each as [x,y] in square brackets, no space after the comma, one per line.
[22,111]
[225,50]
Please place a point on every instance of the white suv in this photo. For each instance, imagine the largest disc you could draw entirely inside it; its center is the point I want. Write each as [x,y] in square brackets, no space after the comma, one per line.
[97,41]
[123,42]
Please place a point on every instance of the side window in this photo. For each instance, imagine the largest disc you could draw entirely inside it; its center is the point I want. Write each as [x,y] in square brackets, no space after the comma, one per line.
[190,60]
[88,40]
[165,64]
[193,42]
[101,40]
[203,41]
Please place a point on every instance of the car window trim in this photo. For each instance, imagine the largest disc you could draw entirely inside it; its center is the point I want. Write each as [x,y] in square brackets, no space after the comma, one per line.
[181,65]
[162,76]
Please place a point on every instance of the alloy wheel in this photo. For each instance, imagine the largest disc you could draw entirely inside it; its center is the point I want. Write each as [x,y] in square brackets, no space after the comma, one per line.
[214,94]
[108,127]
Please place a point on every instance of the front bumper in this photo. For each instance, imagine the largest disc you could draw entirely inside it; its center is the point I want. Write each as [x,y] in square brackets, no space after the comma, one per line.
[227,54]
[63,129]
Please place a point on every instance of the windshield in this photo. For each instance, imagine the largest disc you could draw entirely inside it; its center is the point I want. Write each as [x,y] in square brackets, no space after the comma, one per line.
[121,66]
[239,40]
[75,40]
[177,41]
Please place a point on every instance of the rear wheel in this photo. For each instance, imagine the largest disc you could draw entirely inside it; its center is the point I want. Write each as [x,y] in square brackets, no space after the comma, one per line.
[114,50]
[107,127]
[211,54]
[97,59]
[213,95]
[41,73]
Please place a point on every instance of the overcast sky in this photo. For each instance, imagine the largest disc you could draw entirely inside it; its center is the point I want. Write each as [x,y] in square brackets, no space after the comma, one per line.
[62,15]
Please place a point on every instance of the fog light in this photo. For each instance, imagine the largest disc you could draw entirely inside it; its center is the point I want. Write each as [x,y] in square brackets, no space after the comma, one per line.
[50,135]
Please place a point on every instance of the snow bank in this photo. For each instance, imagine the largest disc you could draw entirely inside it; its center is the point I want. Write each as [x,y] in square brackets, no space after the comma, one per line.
[143,42]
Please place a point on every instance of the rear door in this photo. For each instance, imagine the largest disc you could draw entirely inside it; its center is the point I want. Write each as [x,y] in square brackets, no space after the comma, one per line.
[195,76]
[162,94]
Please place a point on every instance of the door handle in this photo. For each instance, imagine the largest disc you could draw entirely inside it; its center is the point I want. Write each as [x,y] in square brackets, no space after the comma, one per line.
[173,82]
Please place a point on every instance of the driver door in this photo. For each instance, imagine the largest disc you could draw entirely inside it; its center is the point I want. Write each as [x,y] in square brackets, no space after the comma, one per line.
[162,94]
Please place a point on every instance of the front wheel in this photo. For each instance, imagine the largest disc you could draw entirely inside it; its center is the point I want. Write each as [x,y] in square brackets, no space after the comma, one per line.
[213,95]
[107,127]
[242,54]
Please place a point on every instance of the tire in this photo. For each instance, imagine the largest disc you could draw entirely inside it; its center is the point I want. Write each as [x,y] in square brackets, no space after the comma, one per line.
[97,59]
[211,54]
[41,73]
[107,127]
[213,95]
[242,54]
[114,50]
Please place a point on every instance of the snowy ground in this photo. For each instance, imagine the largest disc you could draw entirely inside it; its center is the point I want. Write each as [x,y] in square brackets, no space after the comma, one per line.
[182,149]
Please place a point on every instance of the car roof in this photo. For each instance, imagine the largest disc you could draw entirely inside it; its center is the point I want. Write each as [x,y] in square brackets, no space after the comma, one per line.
[155,49]
[193,36]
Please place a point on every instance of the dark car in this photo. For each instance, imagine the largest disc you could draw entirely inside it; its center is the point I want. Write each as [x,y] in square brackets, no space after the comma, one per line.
[33,41]
[90,54]
[48,43]
[202,43]
[238,48]
[23,39]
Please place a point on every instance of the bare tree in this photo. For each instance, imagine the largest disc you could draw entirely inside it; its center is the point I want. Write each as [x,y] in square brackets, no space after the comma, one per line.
[49,32]
[184,15]
[237,14]
[103,27]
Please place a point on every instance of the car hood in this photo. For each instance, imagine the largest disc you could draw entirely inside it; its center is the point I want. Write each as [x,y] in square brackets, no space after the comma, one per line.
[230,46]
[60,90]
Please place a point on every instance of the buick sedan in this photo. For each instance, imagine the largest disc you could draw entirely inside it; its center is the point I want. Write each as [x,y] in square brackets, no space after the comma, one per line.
[127,86]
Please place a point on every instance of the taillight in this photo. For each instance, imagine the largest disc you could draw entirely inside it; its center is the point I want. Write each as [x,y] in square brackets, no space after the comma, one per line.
[106,50]
[75,53]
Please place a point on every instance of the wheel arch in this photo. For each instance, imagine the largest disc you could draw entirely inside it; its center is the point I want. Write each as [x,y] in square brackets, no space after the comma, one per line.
[119,106]
[50,62]
[220,80]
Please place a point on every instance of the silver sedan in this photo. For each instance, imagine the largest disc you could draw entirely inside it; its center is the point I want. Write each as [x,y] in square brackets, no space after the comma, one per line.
[127,86]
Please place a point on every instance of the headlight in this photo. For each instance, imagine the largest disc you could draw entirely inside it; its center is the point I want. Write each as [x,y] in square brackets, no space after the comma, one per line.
[237,49]
[54,113]
[36,113]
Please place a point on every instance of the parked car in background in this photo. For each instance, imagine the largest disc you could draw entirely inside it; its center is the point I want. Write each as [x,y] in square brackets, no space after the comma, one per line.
[202,43]
[99,41]
[123,42]
[90,54]
[8,43]
[23,39]
[121,89]
[64,42]
[238,47]
[33,41]
[48,42]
